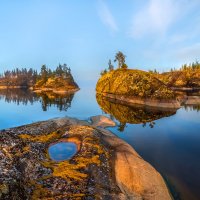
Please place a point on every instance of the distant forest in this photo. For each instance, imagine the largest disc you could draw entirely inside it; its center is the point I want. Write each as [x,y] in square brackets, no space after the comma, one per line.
[28,77]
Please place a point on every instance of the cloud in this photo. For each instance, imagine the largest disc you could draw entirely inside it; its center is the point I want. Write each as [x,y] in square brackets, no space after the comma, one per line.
[106,16]
[155,18]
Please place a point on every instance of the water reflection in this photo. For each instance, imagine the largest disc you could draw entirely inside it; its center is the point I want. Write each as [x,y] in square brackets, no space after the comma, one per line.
[47,99]
[18,96]
[190,100]
[192,107]
[172,146]
[132,114]
[62,151]
[62,102]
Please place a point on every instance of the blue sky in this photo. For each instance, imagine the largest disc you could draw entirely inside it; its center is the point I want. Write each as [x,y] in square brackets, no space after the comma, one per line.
[160,34]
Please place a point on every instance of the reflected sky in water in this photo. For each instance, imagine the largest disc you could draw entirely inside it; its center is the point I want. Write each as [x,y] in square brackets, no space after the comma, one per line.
[22,111]
[171,145]
[62,151]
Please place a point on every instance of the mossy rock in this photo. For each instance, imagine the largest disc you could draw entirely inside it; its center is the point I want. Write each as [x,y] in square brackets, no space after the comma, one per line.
[136,83]
[189,78]
[104,167]
[58,83]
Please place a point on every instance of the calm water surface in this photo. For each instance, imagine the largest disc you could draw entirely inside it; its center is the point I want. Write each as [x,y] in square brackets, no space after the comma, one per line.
[62,151]
[169,140]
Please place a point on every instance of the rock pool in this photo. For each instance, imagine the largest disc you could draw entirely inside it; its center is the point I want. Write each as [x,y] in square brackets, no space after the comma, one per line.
[62,151]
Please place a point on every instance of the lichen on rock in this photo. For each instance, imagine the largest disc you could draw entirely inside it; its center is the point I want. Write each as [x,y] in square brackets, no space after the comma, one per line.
[136,83]
[94,172]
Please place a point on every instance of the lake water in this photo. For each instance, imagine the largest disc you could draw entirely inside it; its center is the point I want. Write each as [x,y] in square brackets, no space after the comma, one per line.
[168,139]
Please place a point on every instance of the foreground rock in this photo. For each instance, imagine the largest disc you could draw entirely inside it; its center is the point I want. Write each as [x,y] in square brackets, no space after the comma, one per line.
[104,167]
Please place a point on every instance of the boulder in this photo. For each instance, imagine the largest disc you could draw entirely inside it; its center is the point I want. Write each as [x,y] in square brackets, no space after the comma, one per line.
[102,121]
[104,166]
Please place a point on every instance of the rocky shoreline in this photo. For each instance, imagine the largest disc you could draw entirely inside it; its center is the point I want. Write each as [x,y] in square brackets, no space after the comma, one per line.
[55,91]
[181,100]
[13,87]
[185,88]
[131,100]
[41,90]
[104,167]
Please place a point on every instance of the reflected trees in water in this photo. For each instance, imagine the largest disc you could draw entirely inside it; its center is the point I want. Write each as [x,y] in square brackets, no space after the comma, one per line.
[47,99]
[18,96]
[132,114]
[62,102]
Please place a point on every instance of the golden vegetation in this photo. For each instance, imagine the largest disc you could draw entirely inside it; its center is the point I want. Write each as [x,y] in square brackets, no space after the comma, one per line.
[25,150]
[70,171]
[135,83]
[187,77]
[130,114]
[40,138]
[66,170]
[58,83]
[40,192]
[74,170]
[3,189]
[58,79]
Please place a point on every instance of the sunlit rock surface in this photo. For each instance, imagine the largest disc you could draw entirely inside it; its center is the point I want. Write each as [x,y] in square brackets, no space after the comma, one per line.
[102,121]
[136,87]
[104,167]
[184,79]
[57,85]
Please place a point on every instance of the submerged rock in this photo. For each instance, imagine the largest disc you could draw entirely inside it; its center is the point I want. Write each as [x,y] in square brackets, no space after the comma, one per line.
[104,167]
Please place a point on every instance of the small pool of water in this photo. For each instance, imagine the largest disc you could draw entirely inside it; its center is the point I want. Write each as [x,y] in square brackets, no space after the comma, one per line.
[62,151]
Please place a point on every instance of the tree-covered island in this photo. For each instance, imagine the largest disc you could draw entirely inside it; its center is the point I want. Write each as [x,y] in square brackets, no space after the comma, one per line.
[58,80]
[133,86]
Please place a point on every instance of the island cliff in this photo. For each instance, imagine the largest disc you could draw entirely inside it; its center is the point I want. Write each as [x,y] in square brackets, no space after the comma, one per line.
[154,89]
[136,87]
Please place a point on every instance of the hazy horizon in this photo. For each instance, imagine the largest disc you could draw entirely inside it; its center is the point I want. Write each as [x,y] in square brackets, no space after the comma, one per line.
[85,35]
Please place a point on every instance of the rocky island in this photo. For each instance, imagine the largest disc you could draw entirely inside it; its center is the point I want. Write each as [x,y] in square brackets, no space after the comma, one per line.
[59,80]
[136,87]
[132,86]
[101,166]
[185,79]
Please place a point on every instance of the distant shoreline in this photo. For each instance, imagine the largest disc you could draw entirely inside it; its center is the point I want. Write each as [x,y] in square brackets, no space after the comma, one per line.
[37,90]
[13,87]
[40,90]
